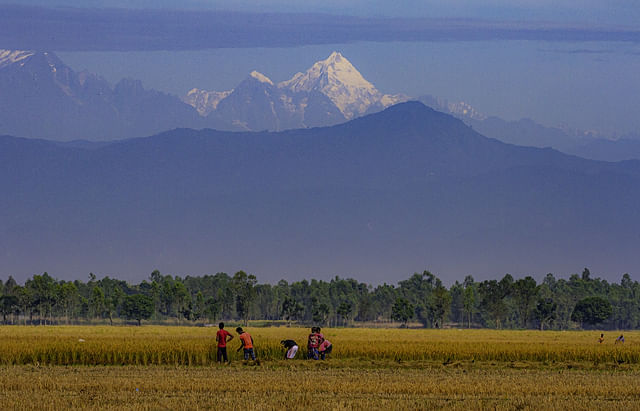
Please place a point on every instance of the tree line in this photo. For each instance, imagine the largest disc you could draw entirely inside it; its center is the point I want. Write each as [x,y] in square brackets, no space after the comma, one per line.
[556,303]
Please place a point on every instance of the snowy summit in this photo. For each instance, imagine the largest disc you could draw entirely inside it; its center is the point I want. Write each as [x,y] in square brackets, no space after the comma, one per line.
[335,78]
[339,80]
[261,77]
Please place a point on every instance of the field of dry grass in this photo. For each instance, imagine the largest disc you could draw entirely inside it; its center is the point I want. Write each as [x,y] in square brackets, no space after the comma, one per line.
[173,368]
[157,345]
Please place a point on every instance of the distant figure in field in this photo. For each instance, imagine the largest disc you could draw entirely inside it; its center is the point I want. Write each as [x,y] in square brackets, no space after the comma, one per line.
[291,348]
[325,348]
[221,339]
[620,339]
[313,342]
[601,339]
[247,344]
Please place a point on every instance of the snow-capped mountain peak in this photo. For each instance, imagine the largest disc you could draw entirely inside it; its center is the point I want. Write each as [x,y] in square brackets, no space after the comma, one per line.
[8,57]
[205,101]
[339,80]
[260,77]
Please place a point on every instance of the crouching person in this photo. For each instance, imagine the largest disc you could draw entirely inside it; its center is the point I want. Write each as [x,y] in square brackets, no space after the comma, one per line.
[325,349]
[291,348]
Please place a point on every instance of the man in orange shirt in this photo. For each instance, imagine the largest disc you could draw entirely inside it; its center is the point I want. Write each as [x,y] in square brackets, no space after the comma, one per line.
[221,338]
[247,344]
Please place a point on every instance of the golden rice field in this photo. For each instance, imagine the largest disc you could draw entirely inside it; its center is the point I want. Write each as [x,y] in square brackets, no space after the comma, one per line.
[195,346]
[174,368]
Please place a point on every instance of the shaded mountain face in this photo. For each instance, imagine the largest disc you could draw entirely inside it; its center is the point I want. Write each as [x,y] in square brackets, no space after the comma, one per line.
[42,97]
[527,132]
[257,104]
[378,197]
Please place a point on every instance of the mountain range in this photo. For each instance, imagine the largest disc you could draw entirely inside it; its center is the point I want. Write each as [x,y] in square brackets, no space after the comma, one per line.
[385,194]
[41,97]
[330,92]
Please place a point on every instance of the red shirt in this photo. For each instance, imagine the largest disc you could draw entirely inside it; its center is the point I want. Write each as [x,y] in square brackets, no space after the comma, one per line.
[222,338]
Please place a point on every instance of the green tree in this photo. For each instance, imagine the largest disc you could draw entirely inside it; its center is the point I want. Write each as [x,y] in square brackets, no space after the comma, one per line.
[469,299]
[96,302]
[525,291]
[344,311]
[545,311]
[591,310]
[321,314]
[8,305]
[182,299]
[199,307]
[212,308]
[43,290]
[113,302]
[68,298]
[402,311]
[493,298]
[137,307]
[441,303]
[244,285]
[291,309]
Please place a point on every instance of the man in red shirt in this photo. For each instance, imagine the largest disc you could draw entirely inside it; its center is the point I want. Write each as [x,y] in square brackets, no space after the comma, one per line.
[221,338]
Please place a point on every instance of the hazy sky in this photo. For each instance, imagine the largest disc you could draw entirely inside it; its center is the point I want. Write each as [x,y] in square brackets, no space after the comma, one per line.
[624,12]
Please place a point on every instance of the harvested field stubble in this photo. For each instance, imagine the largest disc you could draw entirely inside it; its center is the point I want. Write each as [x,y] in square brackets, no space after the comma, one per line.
[294,387]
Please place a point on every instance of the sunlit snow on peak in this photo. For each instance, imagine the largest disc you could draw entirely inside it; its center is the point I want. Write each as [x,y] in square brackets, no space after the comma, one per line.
[339,80]
[8,57]
[261,77]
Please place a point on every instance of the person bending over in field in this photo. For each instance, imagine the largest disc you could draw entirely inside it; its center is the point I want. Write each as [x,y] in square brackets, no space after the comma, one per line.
[601,339]
[620,339]
[313,344]
[246,344]
[325,348]
[291,348]
[221,339]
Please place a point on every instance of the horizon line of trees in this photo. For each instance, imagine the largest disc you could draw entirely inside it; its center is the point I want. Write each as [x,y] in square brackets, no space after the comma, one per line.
[556,303]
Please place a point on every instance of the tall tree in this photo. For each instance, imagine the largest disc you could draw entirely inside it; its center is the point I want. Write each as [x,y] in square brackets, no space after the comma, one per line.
[469,298]
[525,292]
[244,285]
[591,310]
[138,307]
[96,302]
[545,311]
[402,311]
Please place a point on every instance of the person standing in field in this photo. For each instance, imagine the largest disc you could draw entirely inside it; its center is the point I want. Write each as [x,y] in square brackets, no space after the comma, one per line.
[325,348]
[291,347]
[601,339]
[247,344]
[620,339]
[221,339]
